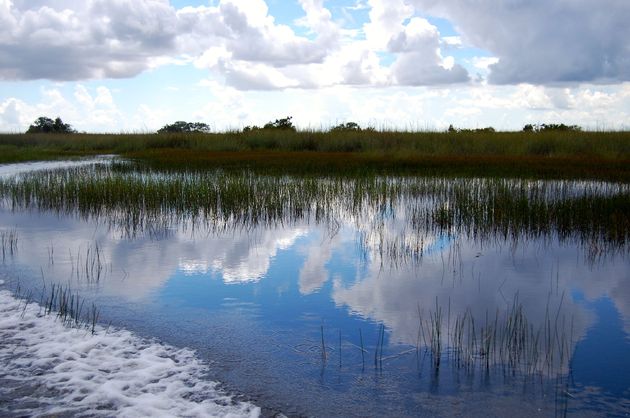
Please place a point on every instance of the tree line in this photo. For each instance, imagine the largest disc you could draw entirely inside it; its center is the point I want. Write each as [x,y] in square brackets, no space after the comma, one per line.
[47,125]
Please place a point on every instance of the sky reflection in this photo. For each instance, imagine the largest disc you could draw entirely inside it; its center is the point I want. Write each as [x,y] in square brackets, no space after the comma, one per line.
[290,285]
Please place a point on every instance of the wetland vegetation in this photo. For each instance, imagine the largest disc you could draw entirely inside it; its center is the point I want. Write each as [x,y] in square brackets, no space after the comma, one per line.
[454,262]
[136,199]
[542,154]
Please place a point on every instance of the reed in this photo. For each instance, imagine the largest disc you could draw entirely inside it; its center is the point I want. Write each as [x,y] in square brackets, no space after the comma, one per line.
[65,304]
[509,341]
[592,155]
[324,354]
[89,266]
[9,243]
[137,200]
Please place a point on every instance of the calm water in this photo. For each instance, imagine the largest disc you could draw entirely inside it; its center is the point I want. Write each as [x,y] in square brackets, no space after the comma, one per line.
[357,311]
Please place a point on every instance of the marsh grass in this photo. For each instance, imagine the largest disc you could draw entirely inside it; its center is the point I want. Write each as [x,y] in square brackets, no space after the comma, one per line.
[9,243]
[139,200]
[508,340]
[89,267]
[603,155]
[64,304]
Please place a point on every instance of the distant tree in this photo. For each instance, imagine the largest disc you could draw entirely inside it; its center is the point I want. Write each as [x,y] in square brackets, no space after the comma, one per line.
[346,127]
[282,124]
[486,130]
[251,128]
[46,125]
[547,127]
[185,127]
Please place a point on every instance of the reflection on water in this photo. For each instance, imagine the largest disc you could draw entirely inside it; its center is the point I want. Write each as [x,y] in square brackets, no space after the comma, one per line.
[351,297]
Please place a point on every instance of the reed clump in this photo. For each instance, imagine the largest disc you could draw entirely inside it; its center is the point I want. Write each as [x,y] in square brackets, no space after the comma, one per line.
[508,340]
[65,304]
[137,200]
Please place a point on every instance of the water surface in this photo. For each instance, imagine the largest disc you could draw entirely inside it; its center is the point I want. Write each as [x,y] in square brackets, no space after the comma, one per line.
[349,297]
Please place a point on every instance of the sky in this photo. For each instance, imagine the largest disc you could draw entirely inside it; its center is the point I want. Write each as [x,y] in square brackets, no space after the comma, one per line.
[136,65]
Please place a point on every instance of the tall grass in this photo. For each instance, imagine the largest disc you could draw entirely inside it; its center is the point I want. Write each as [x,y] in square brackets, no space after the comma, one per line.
[9,243]
[507,340]
[135,201]
[574,143]
[63,303]
[499,153]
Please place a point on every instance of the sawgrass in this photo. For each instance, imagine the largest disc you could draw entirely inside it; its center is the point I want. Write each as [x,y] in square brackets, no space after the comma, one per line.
[137,199]
[573,154]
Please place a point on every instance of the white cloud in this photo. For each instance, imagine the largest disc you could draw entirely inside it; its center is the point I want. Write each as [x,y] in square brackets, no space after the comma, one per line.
[149,118]
[463,111]
[484,63]
[532,42]
[417,45]
[313,273]
[453,41]
[92,39]
[240,261]
[13,115]
[110,39]
[386,21]
[240,41]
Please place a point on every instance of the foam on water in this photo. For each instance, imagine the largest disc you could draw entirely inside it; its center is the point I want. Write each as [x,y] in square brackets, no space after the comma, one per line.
[51,369]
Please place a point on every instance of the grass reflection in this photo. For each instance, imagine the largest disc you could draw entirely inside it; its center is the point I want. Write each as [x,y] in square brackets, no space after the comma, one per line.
[396,216]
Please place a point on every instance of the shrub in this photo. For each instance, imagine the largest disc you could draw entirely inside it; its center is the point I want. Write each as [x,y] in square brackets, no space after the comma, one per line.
[282,124]
[346,127]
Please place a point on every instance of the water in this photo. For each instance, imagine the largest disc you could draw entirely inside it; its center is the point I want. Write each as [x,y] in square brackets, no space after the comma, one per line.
[280,309]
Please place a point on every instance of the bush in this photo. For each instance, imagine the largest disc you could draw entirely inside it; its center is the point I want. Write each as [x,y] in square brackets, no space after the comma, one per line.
[49,126]
[346,127]
[251,128]
[282,124]
[185,127]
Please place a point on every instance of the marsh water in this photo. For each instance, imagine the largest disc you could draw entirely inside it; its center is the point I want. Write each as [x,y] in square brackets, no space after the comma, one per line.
[333,296]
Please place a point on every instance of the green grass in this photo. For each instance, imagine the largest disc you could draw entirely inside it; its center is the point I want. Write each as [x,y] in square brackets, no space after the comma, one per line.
[136,199]
[507,339]
[596,155]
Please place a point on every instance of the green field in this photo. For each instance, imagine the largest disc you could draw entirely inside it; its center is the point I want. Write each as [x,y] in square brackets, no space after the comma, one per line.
[571,154]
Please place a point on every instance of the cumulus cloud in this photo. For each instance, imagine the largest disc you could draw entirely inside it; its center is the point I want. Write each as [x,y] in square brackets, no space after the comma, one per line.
[416,45]
[85,108]
[420,61]
[92,39]
[239,41]
[112,39]
[12,117]
[542,41]
[254,36]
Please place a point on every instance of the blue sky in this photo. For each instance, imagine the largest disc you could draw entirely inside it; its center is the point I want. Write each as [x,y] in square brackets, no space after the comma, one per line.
[135,65]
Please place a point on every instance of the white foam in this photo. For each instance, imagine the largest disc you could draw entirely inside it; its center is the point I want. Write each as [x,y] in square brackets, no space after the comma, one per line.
[113,370]
[1,282]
